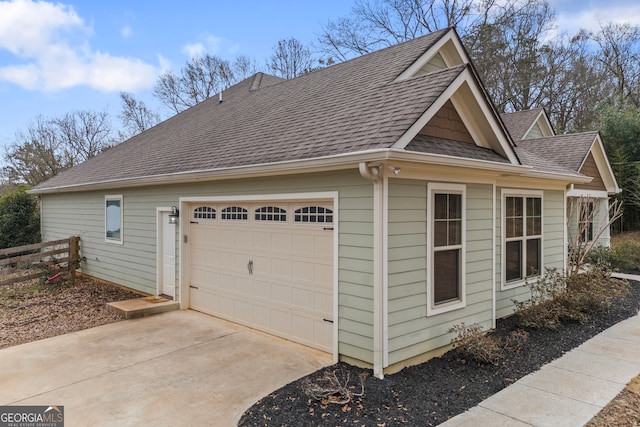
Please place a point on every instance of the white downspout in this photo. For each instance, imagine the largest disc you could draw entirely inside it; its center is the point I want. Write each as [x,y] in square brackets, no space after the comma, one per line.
[494,289]
[374,174]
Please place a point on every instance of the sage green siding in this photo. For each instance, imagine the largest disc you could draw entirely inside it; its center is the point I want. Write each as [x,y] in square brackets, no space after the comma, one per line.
[133,264]
[411,332]
[534,132]
[553,248]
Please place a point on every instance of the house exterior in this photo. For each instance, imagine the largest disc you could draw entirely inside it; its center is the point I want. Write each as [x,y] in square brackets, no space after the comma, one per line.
[580,152]
[362,209]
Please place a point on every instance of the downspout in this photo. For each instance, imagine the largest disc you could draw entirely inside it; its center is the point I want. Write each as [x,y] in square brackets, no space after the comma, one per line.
[494,289]
[375,175]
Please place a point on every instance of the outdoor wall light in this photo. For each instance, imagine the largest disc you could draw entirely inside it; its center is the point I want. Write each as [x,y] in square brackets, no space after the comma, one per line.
[173,215]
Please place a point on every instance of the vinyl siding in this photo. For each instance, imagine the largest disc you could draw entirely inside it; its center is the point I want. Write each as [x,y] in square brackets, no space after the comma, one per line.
[133,264]
[554,252]
[411,332]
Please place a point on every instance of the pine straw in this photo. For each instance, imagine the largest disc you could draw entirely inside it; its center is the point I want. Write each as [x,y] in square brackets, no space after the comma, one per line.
[31,311]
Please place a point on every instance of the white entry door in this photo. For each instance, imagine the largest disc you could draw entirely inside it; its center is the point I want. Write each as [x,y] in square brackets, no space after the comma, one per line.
[167,258]
[266,265]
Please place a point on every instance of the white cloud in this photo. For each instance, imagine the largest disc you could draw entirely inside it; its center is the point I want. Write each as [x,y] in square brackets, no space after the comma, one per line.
[51,42]
[193,49]
[209,44]
[126,32]
[591,18]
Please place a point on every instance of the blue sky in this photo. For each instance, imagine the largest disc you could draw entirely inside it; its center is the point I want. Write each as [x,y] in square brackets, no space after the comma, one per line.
[67,55]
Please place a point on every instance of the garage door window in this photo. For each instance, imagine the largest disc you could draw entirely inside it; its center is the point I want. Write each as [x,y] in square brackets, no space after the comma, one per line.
[271,213]
[204,212]
[235,213]
[314,214]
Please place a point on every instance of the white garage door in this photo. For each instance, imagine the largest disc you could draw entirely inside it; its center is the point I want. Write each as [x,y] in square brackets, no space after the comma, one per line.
[266,265]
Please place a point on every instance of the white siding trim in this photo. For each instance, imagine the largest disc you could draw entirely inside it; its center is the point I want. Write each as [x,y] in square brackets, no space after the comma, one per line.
[385,271]
[432,187]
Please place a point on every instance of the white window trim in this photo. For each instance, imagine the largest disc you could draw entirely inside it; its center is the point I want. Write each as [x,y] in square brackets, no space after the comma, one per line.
[509,192]
[432,309]
[120,199]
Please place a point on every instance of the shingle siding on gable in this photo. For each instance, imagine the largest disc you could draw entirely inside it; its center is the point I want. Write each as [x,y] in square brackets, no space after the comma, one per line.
[589,168]
[447,124]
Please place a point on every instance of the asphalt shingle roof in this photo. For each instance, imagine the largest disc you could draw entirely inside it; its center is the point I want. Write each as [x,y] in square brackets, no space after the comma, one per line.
[447,147]
[518,123]
[349,107]
[568,150]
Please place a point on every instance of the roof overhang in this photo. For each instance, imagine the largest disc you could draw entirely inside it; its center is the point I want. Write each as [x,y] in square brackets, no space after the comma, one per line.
[475,112]
[604,167]
[321,164]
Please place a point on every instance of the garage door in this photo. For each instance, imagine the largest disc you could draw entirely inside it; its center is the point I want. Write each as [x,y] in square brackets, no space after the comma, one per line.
[266,265]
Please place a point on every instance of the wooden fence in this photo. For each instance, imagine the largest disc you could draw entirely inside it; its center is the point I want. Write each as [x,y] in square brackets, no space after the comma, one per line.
[65,254]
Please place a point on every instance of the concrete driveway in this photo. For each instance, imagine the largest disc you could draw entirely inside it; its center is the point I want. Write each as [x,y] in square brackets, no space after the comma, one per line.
[177,368]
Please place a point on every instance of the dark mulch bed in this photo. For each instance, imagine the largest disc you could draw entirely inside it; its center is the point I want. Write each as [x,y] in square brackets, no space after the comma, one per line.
[431,393]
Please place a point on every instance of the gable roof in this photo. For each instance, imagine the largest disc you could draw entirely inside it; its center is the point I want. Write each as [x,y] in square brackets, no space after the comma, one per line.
[345,111]
[520,123]
[571,151]
[567,150]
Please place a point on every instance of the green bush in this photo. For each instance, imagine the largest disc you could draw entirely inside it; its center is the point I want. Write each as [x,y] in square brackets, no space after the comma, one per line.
[19,218]
[556,298]
[623,256]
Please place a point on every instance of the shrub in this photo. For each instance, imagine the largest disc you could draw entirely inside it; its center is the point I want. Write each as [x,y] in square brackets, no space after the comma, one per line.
[555,298]
[486,348]
[624,256]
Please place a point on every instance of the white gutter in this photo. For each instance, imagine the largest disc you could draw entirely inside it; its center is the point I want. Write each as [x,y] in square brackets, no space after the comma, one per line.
[334,162]
[340,161]
[375,174]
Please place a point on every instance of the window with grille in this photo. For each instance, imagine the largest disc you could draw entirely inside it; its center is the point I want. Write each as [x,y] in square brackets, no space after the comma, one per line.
[522,237]
[314,214]
[235,213]
[446,234]
[204,212]
[271,213]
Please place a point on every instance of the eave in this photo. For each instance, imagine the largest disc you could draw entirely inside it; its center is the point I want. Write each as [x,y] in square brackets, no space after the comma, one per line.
[322,164]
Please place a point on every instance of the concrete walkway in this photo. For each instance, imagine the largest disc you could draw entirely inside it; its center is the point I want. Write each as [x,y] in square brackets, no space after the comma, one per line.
[172,369]
[568,391]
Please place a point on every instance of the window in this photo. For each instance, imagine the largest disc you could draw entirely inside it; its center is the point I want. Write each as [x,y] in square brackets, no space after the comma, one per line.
[204,212]
[446,237]
[113,219]
[585,221]
[522,237]
[314,214]
[235,213]
[271,213]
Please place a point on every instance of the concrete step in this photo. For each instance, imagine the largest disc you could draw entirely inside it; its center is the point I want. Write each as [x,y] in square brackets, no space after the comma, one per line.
[141,307]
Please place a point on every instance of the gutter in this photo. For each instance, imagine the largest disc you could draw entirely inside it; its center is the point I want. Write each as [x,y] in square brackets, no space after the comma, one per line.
[320,164]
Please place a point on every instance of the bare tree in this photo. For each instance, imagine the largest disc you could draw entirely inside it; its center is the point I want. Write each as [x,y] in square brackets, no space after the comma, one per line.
[585,228]
[244,67]
[136,117]
[290,59]
[49,146]
[375,24]
[620,55]
[201,78]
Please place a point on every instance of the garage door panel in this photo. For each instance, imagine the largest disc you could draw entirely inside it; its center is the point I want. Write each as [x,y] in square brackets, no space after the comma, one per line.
[261,290]
[288,290]
[280,294]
